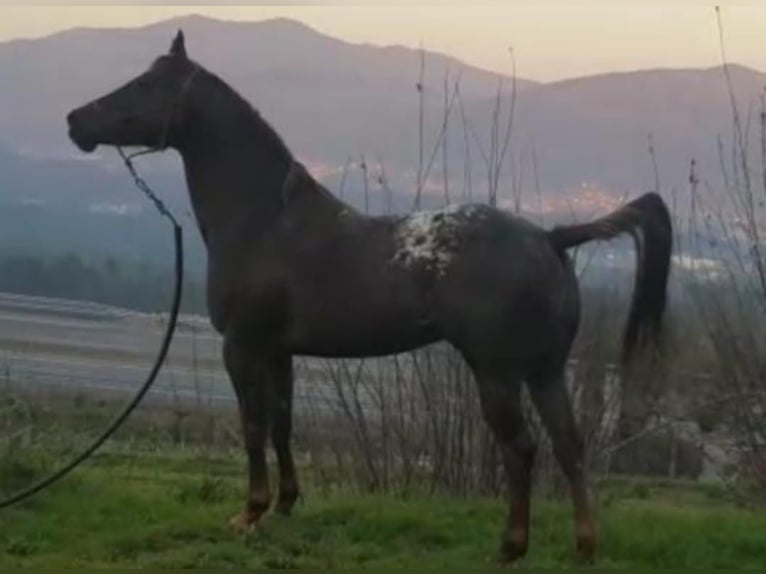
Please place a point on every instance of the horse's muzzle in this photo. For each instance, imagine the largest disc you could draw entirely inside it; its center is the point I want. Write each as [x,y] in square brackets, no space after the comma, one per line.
[78,134]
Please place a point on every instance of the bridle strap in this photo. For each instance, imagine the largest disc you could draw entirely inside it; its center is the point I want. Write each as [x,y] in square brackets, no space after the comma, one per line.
[179,102]
[164,141]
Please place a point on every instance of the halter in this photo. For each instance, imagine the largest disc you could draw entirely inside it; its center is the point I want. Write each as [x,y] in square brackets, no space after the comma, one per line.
[164,141]
[178,101]
[163,145]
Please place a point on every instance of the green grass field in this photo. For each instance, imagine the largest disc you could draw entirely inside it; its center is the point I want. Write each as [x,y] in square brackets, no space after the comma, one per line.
[162,511]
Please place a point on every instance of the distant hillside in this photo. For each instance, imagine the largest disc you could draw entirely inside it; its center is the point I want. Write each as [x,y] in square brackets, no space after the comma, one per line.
[596,130]
[328,97]
[51,207]
[331,100]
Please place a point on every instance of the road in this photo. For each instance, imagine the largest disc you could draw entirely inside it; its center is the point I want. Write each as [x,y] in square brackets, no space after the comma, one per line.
[81,347]
[57,345]
[36,325]
[95,350]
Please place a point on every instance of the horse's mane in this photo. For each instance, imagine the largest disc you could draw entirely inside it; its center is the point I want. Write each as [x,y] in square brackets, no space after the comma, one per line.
[267,135]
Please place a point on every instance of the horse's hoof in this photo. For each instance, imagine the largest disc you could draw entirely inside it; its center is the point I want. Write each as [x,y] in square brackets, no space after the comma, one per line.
[284,510]
[244,523]
[586,548]
[586,556]
[286,503]
[511,551]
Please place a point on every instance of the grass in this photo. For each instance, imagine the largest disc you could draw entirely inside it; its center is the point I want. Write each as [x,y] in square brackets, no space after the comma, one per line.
[164,511]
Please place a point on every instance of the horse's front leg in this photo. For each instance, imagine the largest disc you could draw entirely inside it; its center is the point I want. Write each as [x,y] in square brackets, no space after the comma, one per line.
[253,378]
[281,435]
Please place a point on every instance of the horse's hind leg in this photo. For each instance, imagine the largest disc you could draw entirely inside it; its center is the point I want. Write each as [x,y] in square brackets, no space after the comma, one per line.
[501,404]
[551,398]
[252,377]
[281,434]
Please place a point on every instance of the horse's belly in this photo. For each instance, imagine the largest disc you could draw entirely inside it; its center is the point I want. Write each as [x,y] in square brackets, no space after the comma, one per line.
[349,336]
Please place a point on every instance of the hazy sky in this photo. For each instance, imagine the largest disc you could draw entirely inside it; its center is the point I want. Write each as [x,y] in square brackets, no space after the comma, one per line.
[550,40]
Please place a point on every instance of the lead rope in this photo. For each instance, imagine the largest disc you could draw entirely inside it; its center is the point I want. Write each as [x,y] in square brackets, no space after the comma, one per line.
[141,184]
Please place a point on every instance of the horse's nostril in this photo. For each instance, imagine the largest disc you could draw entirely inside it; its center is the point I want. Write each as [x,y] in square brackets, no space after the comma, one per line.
[71,116]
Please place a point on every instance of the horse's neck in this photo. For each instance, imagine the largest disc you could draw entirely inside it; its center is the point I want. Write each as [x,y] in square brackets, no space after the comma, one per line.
[240,175]
[232,171]
[227,187]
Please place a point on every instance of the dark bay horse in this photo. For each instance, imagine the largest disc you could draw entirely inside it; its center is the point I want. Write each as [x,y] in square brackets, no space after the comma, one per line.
[294,271]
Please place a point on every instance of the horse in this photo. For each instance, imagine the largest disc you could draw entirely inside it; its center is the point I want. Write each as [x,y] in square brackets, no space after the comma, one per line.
[294,271]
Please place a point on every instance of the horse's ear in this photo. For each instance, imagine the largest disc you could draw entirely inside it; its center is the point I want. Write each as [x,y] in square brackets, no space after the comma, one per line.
[178,49]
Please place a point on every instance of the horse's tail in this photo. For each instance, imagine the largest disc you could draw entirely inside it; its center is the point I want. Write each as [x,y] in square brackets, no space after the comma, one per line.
[647,220]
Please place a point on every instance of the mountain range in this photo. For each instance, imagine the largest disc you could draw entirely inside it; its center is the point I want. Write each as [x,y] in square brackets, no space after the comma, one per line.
[582,142]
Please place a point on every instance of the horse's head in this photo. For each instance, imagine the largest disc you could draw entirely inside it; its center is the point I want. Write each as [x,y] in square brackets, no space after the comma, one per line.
[144,112]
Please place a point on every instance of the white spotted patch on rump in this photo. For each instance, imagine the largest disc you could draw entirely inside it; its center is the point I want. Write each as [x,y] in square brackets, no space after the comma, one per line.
[432,238]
